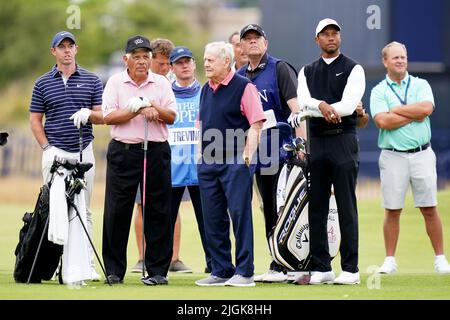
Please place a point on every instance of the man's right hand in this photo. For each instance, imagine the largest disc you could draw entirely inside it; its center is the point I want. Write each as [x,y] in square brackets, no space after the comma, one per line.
[136,103]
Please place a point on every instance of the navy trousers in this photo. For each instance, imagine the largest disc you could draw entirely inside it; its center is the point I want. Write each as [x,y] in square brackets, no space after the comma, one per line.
[226,192]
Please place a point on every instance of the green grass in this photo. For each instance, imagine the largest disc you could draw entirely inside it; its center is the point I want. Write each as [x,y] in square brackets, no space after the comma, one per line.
[415,278]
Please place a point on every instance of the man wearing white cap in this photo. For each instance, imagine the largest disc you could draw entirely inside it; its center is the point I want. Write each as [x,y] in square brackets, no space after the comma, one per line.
[330,90]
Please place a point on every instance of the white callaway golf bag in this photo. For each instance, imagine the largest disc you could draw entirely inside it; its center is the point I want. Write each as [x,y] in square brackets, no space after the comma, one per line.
[289,241]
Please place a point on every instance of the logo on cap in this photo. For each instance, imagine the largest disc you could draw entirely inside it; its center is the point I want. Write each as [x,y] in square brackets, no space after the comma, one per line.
[138,41]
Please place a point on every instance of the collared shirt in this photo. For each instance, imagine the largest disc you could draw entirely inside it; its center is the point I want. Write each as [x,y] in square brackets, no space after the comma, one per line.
[120,88]
[58,101]
[383,99]
[250,99]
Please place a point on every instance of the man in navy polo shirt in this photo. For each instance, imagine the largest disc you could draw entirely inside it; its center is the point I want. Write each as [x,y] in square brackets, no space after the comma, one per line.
[70,98]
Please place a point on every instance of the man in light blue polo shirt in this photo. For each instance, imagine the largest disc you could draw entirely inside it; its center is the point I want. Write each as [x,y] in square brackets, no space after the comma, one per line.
[401,105]
[70,98]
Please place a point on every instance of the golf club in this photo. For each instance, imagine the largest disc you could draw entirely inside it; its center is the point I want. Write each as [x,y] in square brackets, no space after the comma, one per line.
[144,192]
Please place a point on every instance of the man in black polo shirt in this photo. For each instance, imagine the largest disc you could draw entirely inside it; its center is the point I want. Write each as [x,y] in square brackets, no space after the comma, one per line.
[277,85]
[69,97]
[330,89]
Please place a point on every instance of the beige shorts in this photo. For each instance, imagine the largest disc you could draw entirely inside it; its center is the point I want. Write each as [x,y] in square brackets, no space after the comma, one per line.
[400,170]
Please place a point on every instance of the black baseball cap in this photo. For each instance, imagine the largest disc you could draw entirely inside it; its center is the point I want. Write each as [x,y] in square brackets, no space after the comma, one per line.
[253,27]
[137,42]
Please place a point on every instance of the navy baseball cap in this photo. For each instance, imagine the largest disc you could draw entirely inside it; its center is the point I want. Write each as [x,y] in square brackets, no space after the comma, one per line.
[180,52]
[137,42]
[60,36]
[253,27]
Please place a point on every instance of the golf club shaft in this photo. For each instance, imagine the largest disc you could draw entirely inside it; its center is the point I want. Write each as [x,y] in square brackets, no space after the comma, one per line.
[81,142]
[144,193]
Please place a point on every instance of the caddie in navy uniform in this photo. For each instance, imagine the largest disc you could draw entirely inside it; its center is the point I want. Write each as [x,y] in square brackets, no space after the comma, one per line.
[276,82]
[330,90]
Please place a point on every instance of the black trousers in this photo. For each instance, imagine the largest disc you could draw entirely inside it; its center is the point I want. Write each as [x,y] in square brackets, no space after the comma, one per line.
[334,160]
[124,172]
[267,186]
[194,193]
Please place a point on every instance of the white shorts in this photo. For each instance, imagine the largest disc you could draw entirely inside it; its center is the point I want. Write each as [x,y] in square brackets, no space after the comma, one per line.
[398,170]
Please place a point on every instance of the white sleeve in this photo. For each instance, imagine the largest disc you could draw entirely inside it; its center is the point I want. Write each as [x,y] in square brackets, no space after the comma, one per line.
[353,92]
[305,101]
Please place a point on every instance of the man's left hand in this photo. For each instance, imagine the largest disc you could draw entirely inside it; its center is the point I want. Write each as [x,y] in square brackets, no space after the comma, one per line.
[81,117]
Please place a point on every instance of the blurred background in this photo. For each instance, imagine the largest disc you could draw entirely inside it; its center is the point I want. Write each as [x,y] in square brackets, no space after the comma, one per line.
[102,27]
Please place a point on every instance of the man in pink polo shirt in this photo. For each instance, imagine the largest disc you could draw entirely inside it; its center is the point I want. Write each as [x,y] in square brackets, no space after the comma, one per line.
[130,98]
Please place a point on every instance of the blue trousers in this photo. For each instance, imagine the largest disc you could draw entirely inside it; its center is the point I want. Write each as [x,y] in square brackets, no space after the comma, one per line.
[226,192]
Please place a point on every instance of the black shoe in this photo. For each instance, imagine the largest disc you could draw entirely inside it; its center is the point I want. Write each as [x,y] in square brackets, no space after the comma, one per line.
[155,280]
[207,270]
[113,279]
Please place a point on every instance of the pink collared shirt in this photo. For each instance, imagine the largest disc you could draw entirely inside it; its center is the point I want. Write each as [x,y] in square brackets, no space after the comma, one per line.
[120,88]
[251,106]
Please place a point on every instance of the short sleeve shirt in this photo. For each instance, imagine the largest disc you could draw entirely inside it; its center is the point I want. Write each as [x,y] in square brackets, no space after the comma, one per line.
[120,88]
[383,99]
[59,101]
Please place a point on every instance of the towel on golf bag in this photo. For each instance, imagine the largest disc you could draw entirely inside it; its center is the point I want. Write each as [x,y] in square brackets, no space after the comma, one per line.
[34,228]
[289,239]
[76,265]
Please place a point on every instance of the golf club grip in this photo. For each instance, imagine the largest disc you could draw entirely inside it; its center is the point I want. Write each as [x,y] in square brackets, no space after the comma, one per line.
[81,143]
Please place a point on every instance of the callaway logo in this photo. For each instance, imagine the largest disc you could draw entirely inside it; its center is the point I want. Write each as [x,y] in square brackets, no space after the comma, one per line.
[338,74]
[138,41]
[301,236]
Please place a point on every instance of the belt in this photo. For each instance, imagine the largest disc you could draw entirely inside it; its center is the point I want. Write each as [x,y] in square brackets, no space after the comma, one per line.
[136,146]
[421,148]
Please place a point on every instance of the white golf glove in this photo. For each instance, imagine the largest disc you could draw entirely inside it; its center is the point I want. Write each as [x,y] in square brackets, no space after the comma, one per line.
[81,117]
[136,103]
[296,118]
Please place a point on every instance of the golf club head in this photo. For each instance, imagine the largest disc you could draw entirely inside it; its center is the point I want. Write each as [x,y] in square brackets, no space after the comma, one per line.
[3,138]
[300,145]
[285,129]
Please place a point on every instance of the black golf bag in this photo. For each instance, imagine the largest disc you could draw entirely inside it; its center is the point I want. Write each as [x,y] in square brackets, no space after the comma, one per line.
[289,239]
[36,226]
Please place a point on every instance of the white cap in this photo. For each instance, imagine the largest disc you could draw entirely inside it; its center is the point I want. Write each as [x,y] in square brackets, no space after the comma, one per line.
[325,23]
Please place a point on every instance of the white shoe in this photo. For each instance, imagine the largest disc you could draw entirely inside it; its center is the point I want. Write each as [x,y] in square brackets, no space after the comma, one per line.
[271,276]
[389,266]
[442,266]
[318,277]
[348,278]
[95,276]
[240,281]
[294,275]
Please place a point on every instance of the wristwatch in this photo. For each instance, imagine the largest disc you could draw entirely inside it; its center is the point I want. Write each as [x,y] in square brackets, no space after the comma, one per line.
[45,146]
[247,161]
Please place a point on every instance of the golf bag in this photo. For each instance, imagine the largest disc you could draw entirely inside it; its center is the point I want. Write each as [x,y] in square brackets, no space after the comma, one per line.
[33,231]
[289,239]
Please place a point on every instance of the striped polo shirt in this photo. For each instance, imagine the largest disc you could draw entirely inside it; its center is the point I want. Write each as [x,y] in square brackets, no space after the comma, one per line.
[58,101]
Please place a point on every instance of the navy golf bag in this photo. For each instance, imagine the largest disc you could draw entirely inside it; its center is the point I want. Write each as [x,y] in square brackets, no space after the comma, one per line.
[289,239]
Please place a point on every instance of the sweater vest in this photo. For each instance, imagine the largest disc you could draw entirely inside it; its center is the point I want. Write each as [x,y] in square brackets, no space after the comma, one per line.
[267,84]
[327,83]
[223,126]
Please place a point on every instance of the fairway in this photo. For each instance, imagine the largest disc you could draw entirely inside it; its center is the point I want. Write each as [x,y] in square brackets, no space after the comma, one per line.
[415,278]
